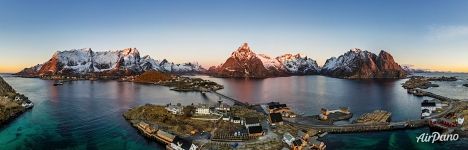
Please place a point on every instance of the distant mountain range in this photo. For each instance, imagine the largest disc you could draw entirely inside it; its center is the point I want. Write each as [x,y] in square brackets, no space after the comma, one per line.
[116,63]
[242,63]
[411,69]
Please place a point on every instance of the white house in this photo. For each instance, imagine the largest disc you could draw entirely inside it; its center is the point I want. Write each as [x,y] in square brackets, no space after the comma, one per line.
[174,109]
[425,113]
[431,105]
[202,110]
[237,120]
[223,107]
[460,120]
[288,139]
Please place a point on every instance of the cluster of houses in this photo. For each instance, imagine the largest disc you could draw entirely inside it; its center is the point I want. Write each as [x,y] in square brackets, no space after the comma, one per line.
[23,100]
[283,109]
[172,141]
[428,107]
[252,124]
[198,83]
[277,111]
[303,140]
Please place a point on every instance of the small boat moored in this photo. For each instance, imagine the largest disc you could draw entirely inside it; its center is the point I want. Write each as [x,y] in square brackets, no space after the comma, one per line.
[58,83]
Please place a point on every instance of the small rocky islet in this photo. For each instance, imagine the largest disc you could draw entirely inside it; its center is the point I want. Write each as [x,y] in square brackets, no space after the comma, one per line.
[425,82]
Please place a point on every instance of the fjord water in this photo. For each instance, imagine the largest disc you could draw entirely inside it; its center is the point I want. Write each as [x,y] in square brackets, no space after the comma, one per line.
[88,114]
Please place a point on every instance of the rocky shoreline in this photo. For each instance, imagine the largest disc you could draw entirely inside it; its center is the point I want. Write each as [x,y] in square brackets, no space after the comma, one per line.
[12,104]
[425,82]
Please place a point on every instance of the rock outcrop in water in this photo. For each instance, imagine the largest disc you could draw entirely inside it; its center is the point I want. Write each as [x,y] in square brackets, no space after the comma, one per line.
[79,62]
[244,63]
[357,64]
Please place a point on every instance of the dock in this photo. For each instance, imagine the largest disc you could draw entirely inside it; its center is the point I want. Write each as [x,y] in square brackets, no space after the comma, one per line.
[365,127]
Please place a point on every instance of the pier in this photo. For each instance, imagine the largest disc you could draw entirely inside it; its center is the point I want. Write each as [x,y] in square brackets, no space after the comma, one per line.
[380,126]
[362,127]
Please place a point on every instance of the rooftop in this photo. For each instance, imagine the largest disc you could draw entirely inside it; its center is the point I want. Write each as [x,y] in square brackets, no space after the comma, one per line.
[251,120]
[255,129]
[276,117]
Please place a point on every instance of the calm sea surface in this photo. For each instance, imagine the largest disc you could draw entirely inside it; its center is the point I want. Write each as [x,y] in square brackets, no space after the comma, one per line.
[87,114]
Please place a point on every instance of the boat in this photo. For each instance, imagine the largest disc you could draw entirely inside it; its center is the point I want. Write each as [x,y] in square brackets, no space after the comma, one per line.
[58,83]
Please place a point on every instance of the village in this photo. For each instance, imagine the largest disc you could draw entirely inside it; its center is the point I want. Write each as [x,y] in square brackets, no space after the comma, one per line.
[222,126]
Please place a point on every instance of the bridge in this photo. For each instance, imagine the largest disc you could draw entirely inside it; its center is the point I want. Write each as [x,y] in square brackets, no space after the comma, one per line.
[236,102]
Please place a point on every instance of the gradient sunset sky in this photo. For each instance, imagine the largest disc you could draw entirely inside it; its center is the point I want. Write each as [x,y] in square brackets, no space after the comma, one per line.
[430,34]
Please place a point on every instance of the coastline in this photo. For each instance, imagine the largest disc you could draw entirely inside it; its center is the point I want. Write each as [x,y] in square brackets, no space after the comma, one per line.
[12,104]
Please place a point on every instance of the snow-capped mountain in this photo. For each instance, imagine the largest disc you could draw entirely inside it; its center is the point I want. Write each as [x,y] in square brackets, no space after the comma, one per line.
[118,62]
[357,63]
[412,69]
[245,63]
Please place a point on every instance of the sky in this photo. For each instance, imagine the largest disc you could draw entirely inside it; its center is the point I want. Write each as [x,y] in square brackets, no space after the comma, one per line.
[428,34]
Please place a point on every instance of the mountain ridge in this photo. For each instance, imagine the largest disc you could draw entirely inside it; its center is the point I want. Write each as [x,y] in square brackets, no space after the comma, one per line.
[242,63]
[119,62]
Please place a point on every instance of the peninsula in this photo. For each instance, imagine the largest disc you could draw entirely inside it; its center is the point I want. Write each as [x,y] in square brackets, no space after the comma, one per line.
[12,104]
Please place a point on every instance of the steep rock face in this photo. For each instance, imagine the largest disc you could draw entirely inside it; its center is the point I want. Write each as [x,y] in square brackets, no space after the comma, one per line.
[119,62]
[363,64]
[243,63]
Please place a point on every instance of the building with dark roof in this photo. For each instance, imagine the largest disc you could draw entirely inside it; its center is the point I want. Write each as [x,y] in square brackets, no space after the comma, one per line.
[276,105]
[251,121]
[297,144]
[427,103]
[276,119]
[255,130]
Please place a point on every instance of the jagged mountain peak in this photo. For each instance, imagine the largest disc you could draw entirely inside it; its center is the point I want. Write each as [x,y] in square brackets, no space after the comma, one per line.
[356,50]
[245,63]
[243,52]
[244,48]
[128,51]
[358,63]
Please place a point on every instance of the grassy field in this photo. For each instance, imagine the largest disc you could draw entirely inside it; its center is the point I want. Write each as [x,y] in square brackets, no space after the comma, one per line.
[179,124]
[8,109]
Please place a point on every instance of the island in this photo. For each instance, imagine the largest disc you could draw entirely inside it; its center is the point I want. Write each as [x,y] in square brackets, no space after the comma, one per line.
[177,82]
[12,104]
